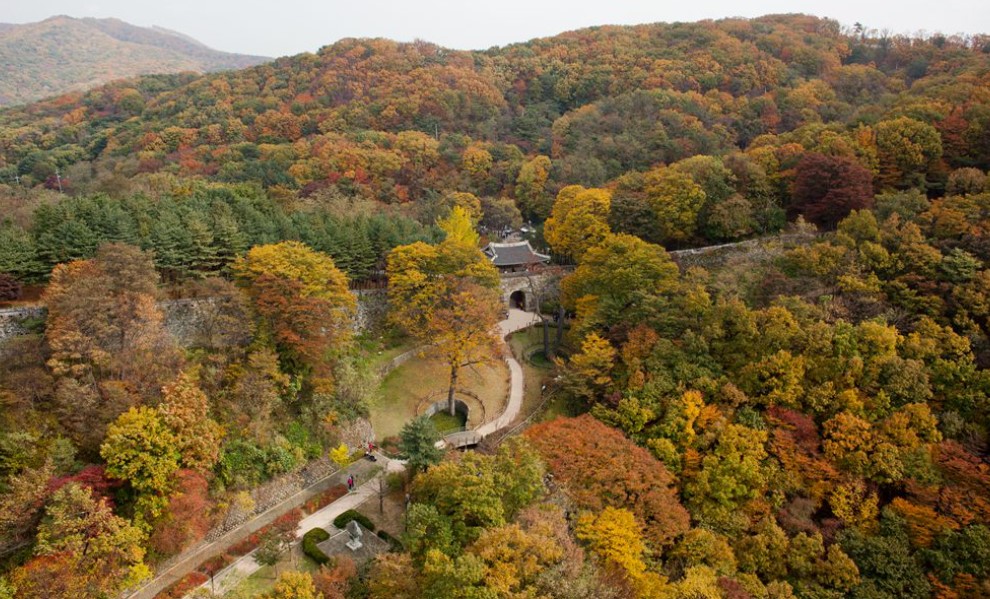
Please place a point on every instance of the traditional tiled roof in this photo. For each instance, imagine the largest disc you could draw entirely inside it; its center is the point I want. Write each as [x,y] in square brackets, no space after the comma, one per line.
[514,254]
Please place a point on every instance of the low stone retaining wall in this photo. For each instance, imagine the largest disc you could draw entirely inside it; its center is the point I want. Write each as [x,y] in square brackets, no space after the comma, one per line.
[441,406]
[474,412]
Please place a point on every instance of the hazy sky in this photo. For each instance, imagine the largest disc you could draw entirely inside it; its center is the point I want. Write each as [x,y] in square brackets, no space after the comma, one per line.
[281,27]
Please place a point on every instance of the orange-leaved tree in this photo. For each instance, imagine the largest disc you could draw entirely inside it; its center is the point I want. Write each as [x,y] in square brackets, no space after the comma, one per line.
[446,296]
[602,468]
[302,300]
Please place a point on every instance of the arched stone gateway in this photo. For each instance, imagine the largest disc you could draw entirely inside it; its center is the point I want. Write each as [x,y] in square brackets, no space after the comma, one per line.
[515,288]
[517,300]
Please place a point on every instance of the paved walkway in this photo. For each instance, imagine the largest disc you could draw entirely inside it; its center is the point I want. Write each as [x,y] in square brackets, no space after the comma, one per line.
[198,554]
[516,321]
[231,576]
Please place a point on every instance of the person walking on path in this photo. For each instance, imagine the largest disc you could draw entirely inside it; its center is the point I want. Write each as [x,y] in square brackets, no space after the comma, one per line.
[350,482]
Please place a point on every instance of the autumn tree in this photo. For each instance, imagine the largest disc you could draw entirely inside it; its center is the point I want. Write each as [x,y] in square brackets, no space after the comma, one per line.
[589,371]
[302,298]
[499,214]
[465,491]
[256,392]
[468,202]
[104,323]
[335,581]
[185,518]
[731,475]
[827,188]
[514,557]
[426,529]
[140,449]
[185,411]
[615,536]
[446,297]
[471,492]
[531,188]
[600,468]
[458,226]
[617,281]
[294,585]
[21,504]
[578,220]
[477,162]
[908,150]
[103,552]
[393,575]
[676,201]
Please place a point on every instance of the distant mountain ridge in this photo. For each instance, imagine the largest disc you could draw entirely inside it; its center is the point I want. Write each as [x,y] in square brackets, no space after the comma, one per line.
[63,54]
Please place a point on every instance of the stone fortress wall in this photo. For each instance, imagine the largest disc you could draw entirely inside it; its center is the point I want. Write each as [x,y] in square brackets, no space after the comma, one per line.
[184,317]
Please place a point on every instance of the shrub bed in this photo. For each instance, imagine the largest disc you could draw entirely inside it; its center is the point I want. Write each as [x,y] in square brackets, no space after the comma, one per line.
[342,520]
[289,520]
[183,586]
[215,564]
[248,544]
[325,498]
[309,545]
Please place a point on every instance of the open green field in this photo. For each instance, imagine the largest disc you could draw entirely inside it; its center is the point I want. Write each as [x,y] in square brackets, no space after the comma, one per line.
[536,371]
[378,351]
[264,579]
[407,386]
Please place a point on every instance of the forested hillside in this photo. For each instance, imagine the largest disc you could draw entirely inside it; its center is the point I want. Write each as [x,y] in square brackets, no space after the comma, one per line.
[744,113]
[63,54]
[805,418]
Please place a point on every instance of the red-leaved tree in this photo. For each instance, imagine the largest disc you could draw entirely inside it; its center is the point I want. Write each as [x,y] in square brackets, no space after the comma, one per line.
[827,188]
[601,467]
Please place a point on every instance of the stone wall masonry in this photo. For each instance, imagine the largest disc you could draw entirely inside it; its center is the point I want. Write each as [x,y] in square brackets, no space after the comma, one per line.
[184,317]
[14,321]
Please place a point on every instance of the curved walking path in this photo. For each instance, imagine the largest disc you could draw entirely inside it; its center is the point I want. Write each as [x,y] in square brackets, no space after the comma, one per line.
[245,566]
[516,321]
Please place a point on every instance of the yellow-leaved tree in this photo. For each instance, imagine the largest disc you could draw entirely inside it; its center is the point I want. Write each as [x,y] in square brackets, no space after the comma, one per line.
[447,296]
[185,411]
[614,536]
[459,226]
[578,221]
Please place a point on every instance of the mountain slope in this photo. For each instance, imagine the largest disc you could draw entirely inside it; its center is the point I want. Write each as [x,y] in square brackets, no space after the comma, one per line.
[396,122]
[63,54]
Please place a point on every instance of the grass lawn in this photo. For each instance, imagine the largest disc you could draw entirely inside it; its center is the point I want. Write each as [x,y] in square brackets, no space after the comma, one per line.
[535,372]
[445,422]
[408,385]
[263,580]
[378,351]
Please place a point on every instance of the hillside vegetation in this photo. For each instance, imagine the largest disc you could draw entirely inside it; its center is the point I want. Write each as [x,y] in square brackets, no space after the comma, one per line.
[808,418]
[63,54]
